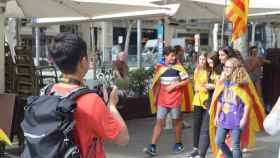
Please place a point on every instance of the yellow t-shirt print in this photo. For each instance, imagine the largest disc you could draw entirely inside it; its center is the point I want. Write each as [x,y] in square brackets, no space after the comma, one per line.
[226,108]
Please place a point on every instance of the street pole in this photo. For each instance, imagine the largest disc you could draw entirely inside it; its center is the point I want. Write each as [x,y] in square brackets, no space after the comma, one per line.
[37,45]
[222,32]
[2,49]
[168,29]
[11,36]
[104,38]
[139,43]
[215,38]
[254,24]
[128,34]
[93,50]
[223,25]
[18,25]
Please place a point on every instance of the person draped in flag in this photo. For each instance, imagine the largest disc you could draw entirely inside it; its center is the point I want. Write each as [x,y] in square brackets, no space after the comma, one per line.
[201,97]
[257,114]
[170,92]
[232,110]
[258,108]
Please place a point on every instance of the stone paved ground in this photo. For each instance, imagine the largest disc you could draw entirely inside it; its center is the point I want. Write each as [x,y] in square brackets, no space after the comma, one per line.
[140,134]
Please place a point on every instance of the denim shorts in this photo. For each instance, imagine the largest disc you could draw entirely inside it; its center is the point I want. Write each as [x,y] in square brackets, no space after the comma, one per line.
[163,111]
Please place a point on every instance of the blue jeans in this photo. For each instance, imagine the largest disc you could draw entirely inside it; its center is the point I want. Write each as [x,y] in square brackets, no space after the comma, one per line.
[220,141]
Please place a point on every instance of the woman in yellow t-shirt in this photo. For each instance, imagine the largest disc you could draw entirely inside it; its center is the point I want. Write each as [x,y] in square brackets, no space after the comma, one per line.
[213,78]
[200,100]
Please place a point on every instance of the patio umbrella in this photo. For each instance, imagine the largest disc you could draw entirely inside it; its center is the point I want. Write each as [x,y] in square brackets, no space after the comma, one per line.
[73,8]
[266,16]
[166,10]
[213,9]
[61,8]
[273,4]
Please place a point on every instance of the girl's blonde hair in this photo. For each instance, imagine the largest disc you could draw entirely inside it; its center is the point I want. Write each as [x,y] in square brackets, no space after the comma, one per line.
[239,74]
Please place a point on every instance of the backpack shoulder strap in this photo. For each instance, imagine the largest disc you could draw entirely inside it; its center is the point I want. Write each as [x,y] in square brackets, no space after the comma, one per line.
[79,92]
[74,95]
[46,90]
[92,147]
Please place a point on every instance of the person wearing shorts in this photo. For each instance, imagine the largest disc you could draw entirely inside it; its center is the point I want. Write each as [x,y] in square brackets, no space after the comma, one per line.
[170,78]
[162,111]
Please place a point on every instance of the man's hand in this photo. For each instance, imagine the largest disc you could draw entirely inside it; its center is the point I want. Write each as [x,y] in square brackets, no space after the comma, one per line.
[114,96]
[171,87]
[184,76]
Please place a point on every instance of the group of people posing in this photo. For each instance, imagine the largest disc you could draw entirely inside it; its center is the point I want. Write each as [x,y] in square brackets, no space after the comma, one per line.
[220,92]
[227,108]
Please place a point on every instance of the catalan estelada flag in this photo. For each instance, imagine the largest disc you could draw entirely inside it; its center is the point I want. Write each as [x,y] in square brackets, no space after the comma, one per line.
[237,13]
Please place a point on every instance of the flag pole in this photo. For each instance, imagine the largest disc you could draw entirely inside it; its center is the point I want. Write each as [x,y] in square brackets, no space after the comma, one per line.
[223,25]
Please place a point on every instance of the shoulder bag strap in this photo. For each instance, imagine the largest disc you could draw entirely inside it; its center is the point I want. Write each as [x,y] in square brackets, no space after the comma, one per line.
[92,148]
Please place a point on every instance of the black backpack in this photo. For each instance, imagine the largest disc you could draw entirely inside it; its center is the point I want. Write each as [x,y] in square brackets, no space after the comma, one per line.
[48,124]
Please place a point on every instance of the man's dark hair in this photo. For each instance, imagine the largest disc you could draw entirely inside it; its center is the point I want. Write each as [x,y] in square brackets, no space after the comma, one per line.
[167,50]
[67,51]
[251,49]
[178,48]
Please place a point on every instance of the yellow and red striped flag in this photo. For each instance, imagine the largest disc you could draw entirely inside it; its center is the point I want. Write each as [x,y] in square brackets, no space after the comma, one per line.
[237,13]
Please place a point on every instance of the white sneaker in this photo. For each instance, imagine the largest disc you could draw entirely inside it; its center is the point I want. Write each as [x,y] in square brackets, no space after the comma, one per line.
[186,124]
[245,150]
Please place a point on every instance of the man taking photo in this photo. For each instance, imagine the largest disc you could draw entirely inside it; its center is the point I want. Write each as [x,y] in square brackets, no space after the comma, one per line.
[93,119]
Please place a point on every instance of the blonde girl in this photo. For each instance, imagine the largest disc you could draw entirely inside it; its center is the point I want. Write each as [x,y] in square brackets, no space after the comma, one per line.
[231,113]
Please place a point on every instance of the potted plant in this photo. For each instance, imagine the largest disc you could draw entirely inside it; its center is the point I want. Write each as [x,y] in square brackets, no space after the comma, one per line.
[137,103]
[138,81]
